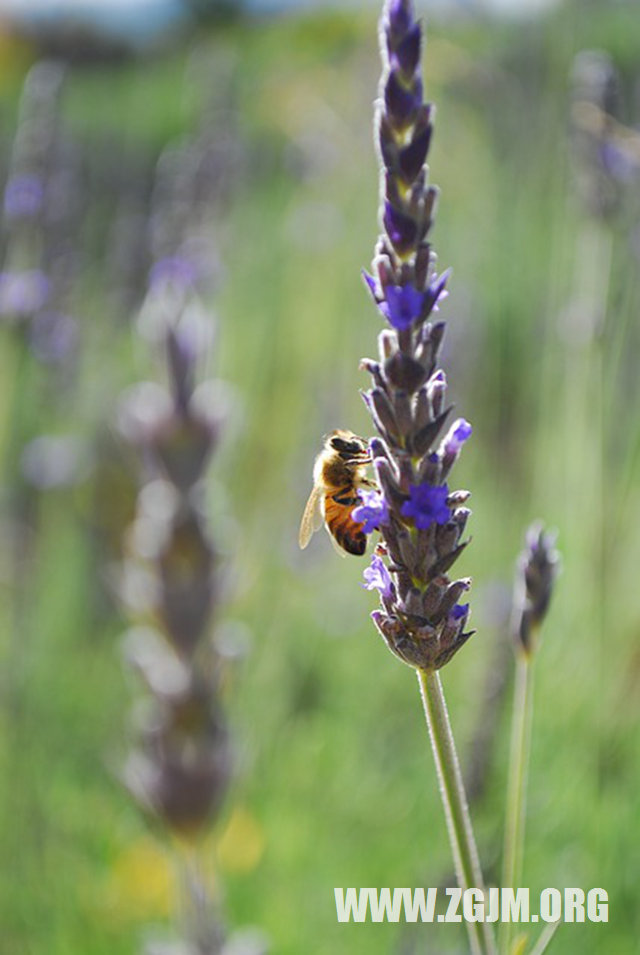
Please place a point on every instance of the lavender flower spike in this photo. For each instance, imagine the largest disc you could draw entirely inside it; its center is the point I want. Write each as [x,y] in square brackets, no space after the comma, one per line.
[424,520]
[536,572]
[421,616]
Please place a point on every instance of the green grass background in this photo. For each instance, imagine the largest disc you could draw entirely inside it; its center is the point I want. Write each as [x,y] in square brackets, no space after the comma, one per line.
[335,784]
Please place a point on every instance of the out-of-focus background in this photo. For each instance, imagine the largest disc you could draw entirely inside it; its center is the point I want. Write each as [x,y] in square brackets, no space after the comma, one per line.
[228,147]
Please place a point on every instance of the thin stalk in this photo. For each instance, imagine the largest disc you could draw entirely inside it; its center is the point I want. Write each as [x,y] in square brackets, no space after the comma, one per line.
[545,938]
[16,430]
[198,915]
[517,784]
[454,801]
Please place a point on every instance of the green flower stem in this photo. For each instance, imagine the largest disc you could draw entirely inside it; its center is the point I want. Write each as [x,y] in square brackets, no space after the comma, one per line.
[454,800]
[517,785]
[198,914]
[545,939]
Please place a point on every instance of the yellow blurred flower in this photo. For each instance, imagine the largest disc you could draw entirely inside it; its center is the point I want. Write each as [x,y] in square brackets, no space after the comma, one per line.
[142,883]
[242,843]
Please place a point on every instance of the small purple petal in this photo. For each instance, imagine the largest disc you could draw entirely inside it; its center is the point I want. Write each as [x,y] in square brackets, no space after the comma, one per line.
[371,283]
[458,433]
[427,504]
[372,512]
[436,390]
[407,53]
[377,577]
[441,297]
[459,611]
[399,14]
[437,291]
[403,305]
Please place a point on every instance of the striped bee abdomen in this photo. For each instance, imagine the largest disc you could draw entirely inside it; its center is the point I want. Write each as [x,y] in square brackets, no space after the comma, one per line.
[337,514]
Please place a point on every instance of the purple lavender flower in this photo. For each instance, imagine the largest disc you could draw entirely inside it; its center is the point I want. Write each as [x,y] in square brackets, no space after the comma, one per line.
[427,505]
[452,443]
[459,611]
[373,511]
[402,306]
[422,534]
[459,432]
[377,577]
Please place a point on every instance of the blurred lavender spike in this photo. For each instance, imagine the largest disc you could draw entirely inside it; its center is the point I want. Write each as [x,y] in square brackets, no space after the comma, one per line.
[422,617]
[180,764]
[536,572]
[41,208]
[606,154]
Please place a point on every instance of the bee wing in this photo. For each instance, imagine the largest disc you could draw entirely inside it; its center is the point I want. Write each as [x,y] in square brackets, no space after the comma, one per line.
[312,517]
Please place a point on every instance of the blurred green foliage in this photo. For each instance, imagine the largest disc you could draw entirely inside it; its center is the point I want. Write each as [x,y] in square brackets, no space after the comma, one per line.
[335,785]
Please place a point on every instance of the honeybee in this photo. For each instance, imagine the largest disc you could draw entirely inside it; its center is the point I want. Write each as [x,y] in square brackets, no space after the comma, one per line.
[338,472]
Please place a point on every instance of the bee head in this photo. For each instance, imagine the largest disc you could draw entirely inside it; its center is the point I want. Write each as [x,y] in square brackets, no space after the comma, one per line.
[347,445]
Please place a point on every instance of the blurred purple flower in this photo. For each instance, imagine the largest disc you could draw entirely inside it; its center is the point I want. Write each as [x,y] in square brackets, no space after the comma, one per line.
[622,164]
[52,461]
[23,196]
[54,337]
[173,270]
[22,293]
